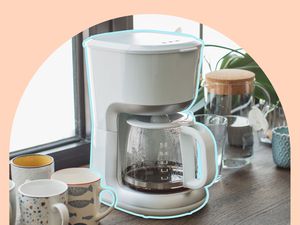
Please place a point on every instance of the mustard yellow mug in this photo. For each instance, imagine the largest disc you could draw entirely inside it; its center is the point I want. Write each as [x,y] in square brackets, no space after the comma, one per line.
[31,167]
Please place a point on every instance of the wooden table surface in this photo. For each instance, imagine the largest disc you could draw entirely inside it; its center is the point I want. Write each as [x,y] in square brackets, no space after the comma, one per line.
[258,194]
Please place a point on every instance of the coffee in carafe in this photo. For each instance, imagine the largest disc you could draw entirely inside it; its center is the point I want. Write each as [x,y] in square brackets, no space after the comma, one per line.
[153,159]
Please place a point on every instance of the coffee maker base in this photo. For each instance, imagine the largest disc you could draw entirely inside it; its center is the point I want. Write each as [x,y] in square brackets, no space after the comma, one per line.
[178,209]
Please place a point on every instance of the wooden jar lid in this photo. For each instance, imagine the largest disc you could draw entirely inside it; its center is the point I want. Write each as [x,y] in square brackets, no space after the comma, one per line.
[230,82]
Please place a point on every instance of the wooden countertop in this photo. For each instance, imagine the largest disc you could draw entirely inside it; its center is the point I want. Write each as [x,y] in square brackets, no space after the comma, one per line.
[258,194]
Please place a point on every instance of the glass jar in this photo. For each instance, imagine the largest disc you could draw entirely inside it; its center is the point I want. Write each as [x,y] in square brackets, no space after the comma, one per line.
[230,93]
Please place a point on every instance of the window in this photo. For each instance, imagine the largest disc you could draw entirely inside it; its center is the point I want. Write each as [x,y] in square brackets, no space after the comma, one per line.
[213,54]
[166,23]
[46,111]
[50,118]
[53,115]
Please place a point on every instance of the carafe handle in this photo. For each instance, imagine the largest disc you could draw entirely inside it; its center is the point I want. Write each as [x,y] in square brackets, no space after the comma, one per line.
[206,151]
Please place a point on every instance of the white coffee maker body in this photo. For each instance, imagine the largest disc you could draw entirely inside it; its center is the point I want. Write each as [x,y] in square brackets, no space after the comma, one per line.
[140,73]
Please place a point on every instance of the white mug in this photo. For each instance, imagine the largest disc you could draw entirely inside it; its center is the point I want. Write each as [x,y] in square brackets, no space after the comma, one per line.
[83,195]
[43,202]
[31,167]
[12,203]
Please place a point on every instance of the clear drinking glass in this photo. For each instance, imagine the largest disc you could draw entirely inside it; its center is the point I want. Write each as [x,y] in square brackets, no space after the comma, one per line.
[232,93]
[239,150]
[276,118]
[218,126]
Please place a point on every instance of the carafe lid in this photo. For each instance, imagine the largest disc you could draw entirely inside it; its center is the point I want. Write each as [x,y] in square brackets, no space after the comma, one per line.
[230,81]
[160,121]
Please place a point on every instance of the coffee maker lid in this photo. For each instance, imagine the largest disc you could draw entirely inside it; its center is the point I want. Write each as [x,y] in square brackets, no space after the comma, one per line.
[144,42]
[160,121]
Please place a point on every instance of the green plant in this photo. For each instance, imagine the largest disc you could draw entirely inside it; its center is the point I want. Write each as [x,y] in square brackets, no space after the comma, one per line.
[235,58]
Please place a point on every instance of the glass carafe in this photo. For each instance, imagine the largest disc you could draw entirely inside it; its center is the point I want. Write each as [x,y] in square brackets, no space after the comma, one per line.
[230,93]
[157,150]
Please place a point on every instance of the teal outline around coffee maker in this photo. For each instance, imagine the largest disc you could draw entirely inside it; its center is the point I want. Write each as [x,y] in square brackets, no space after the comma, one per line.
[110,189]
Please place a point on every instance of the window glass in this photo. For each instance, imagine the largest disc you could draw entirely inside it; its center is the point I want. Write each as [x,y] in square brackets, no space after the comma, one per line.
[46,110]
[213,54]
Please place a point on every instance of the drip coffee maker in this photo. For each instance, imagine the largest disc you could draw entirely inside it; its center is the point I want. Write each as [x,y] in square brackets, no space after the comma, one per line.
[146,145]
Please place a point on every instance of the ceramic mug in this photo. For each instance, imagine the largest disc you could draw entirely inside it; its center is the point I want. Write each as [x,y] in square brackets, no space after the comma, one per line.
[31,167]
[12,203]
[43,202]
[83,195]
[281,146]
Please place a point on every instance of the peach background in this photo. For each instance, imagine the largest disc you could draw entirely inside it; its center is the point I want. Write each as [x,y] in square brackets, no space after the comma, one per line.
[32,30]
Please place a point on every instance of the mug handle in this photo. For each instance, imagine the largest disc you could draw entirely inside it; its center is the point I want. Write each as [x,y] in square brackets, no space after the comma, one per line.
[101,215]
[206,143]
[63,212]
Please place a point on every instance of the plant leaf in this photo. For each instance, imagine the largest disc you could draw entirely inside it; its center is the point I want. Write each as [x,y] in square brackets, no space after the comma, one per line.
[226,60]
